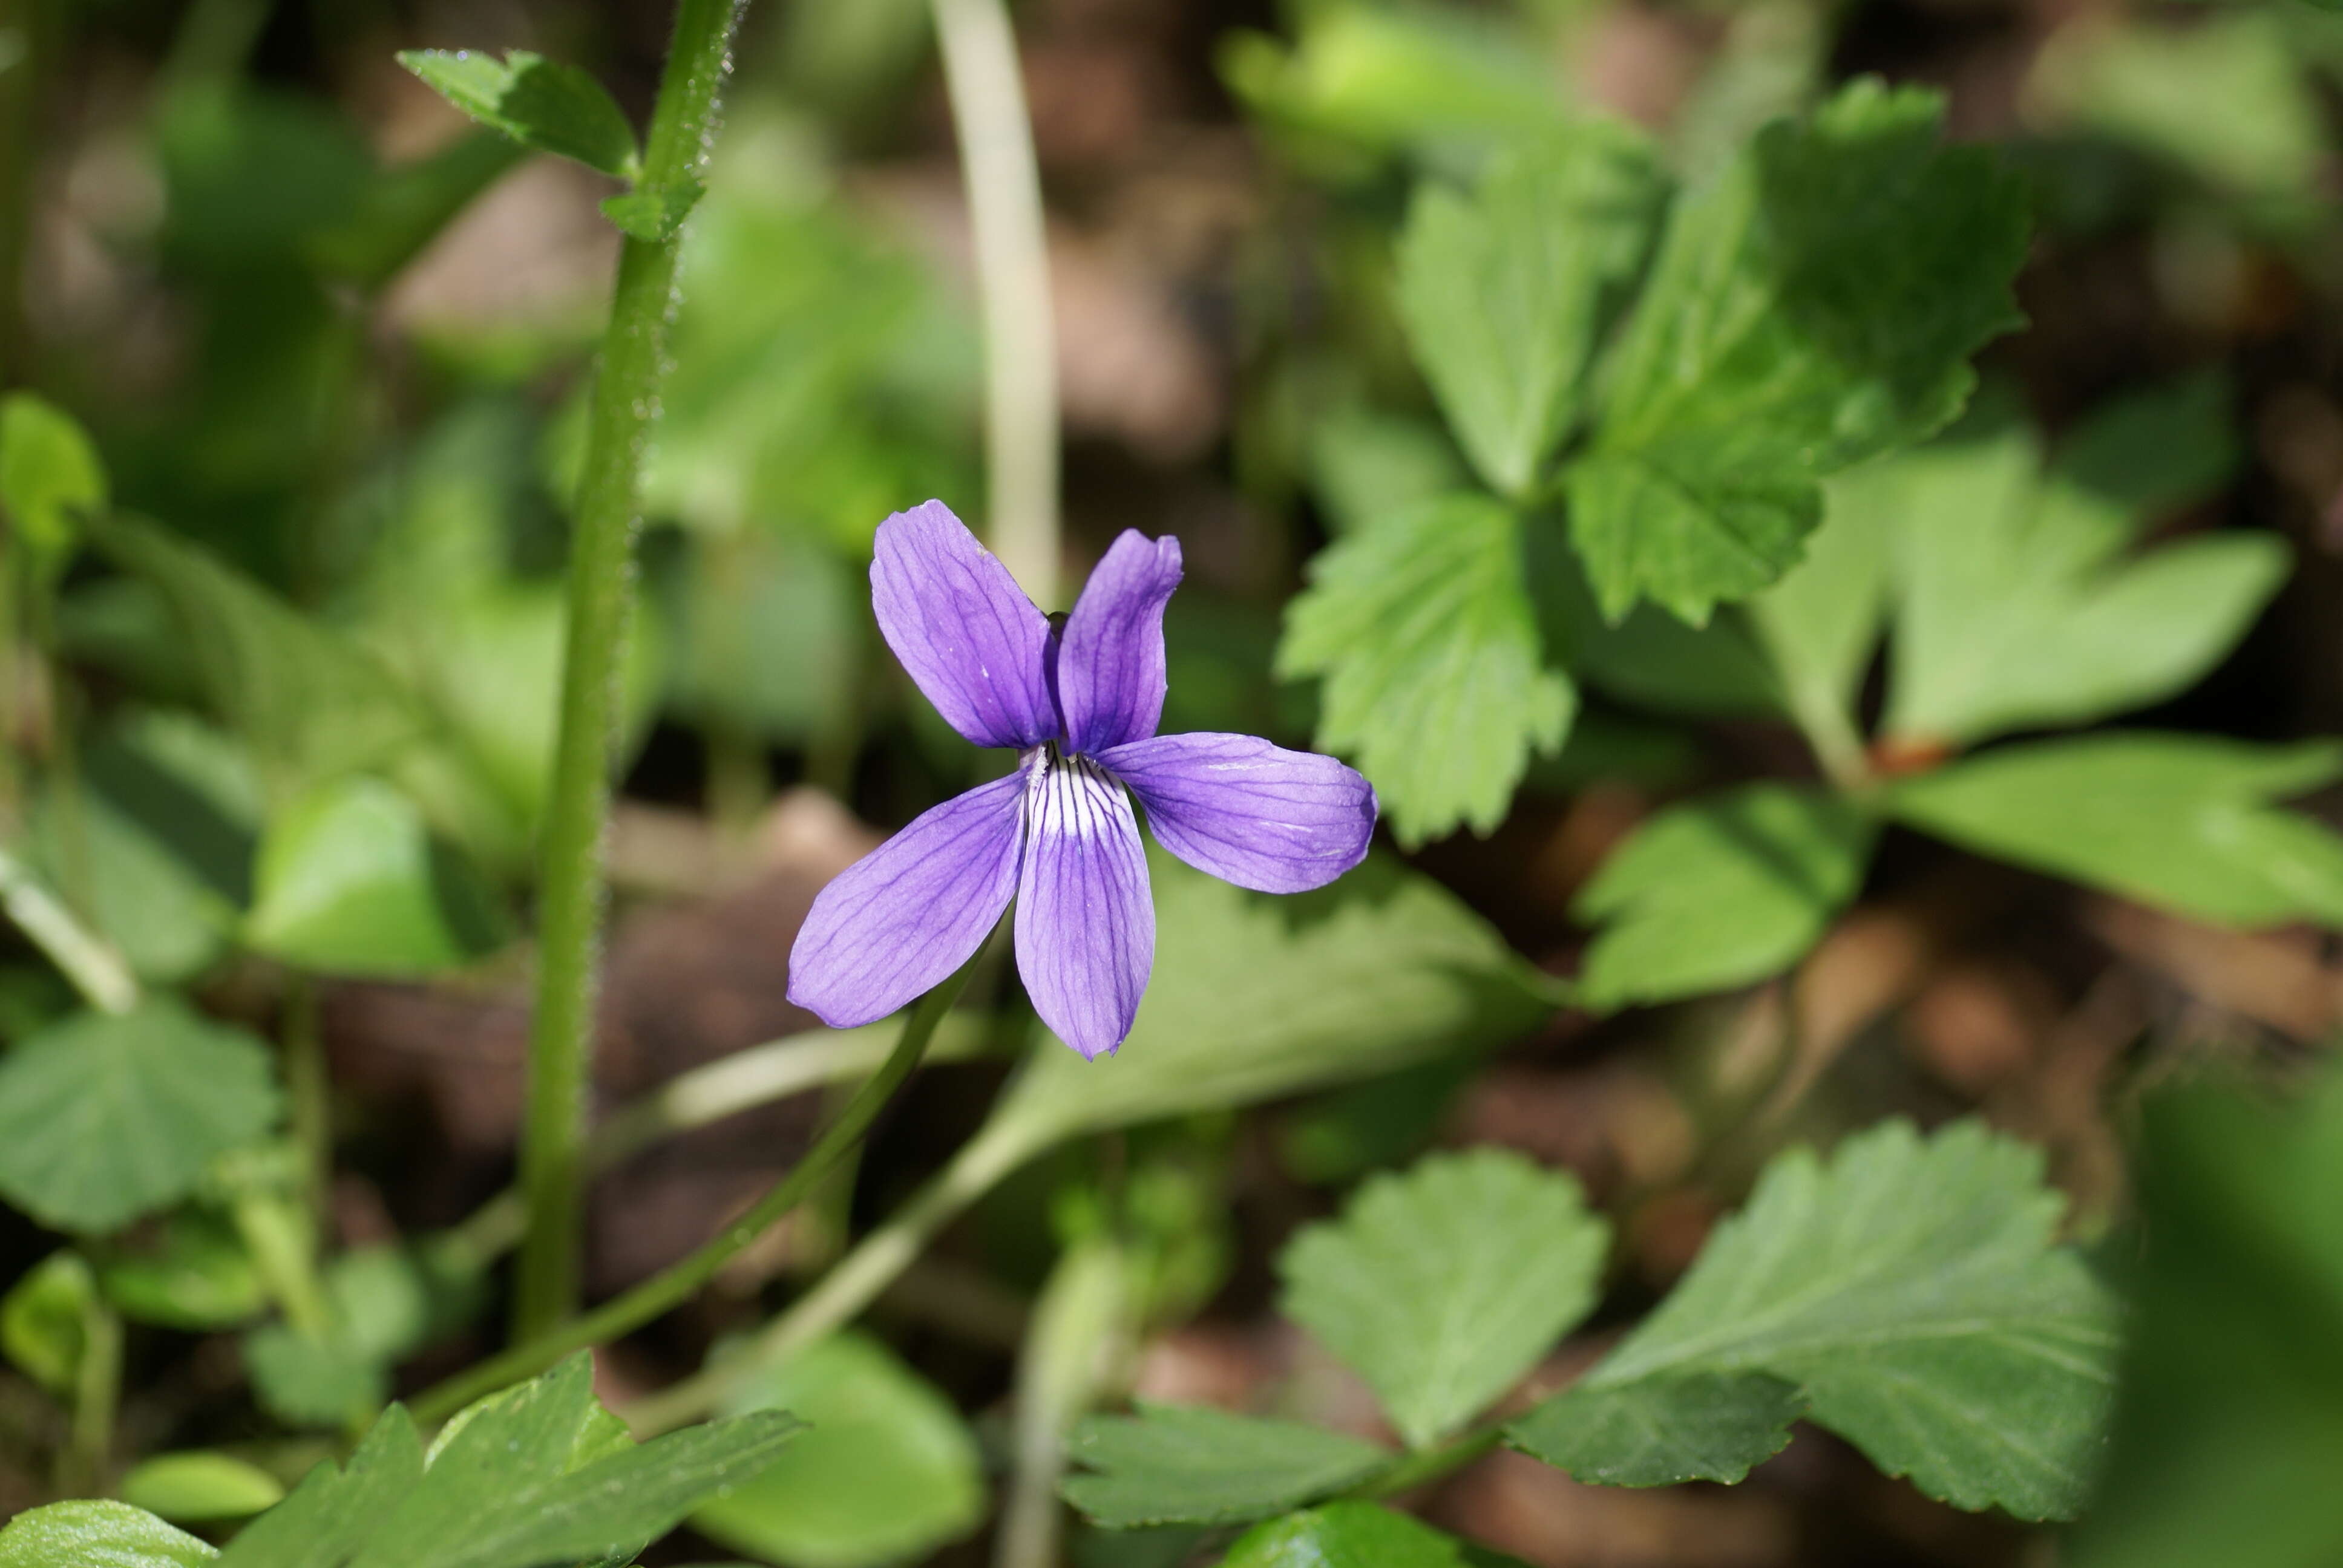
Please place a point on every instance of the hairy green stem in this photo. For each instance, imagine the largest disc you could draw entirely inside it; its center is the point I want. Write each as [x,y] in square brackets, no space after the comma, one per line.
[674,1285]
[600,601]
[853,1284]
[1013,277]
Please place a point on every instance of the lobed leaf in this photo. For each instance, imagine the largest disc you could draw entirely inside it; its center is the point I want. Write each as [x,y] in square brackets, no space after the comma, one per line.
[104,1117]
[539,103]
[1720,891]
[1435,676]
[336,1510]
[1503,293]
[2180,821]
[1192,1464]
[1659,1430]
[1442,1285]
[1909,1288]
[1815,305]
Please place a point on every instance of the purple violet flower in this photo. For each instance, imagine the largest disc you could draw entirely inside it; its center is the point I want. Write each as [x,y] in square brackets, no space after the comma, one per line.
[1057,834]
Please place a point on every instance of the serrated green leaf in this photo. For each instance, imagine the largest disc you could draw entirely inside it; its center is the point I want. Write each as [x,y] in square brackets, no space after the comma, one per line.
[1258,995]
[654,215]
[1820,624]
[50,479]
[1816,305]
[97,1534]
[1192,1464]
[539,103]
[2180,821]
[1504,293]
[1911,1288]
[336,1510]
[1366,465]
[1356,1535]
[1435,676]
[2016,611]
[44,1320]
[310,703]
[500,1492]
[105,1117]
[1659,1430]
[200,1484]
[349,880]
[1720,891]
[309,1380]
[887,1471]
[1444,1284]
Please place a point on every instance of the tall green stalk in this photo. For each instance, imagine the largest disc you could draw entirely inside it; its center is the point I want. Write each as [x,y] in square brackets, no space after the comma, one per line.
[600,601]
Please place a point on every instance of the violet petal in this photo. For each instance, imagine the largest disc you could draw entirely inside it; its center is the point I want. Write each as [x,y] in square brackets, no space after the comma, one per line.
[901,918]
[1111,669]
[1085,923]
[1250,813]
[971,640]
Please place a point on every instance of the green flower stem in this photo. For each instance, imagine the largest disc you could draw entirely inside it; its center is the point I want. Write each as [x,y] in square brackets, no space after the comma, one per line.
[1080,1330]
[88,1453]
[1013,277]
[997,1148]
[1432,1464]
[84,957]
[600,599]
[677,1283]
[741,1081]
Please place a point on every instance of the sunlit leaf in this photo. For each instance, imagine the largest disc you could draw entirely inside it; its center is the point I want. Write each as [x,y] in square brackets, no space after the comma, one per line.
[1356,1535]
[50,479]
[537,102]
[200,1484]
[97,1534]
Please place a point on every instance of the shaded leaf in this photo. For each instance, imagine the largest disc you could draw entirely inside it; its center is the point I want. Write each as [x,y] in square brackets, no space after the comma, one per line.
[192,1273]
[539,103]
[1435,677]
[1815,305]
[1442,1284]
[1720,891]
[306,1379]
[1192,1464]
[44,1320]
[1505,292]
[887,1471]
[1659,1430]
[2180,821]
[105,1117]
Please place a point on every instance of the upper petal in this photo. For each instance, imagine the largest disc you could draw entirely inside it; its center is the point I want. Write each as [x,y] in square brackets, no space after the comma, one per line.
[1085,923]
[972,641]
[901,919]
[1110,674]
[1250,813]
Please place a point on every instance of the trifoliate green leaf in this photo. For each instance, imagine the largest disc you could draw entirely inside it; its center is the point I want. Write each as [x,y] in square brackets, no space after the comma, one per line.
[105,1117]
[539,103]
[1815,305]
[50,479]
[1436,683]
[350,882]
[1443,1286]
[200,1484]
[336,1510]
[1192,1464]
[1910,1289]
[2180,821]
[1356,1535]
[886,1472]
[1365,467]
[1659,1430]
[2016,611]
[97,1534]
[1720,891]
[1505,292]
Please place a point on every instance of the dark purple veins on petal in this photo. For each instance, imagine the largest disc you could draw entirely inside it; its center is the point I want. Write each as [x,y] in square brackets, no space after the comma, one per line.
[1111,675]
[1249,812]
[1085,922]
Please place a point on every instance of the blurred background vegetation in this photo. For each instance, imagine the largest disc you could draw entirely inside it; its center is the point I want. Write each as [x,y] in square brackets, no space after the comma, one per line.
[332,337]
